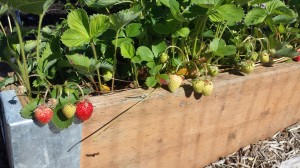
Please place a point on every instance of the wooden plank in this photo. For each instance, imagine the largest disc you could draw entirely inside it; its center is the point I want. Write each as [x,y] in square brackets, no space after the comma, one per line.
[184,129]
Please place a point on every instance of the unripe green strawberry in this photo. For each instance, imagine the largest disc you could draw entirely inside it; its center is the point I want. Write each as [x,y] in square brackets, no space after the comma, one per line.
[198,85]
[174,82]
[69,110]
[247,66]
[213,70]
[254,56]
[163,57]
[207,88]
[107,75]
[264,57]
[43,114]
[272,51]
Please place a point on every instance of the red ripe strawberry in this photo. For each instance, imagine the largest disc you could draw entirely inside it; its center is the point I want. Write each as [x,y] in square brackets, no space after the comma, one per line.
[297,58]
[43,114]
[84,109]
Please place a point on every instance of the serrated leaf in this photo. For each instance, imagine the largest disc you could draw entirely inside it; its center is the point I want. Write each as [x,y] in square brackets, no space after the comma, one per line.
[226,50]
[255,16]
[29,6]
[159,48]
[102,3]
[127,50]
[78,20]
[151,81]
[151,65]
[182,32]
[175,11]
[229,12]
[6,81]
[83,64]
[271,6]
[74,38]
[219,47]
[28,110]
[145,53]
[208,3]
[30,45]
[258,1]
[122,18]
[133,29]
[162,29]
[98,25]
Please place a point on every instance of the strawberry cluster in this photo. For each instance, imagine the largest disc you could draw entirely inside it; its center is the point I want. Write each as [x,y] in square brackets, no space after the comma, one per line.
[83,110]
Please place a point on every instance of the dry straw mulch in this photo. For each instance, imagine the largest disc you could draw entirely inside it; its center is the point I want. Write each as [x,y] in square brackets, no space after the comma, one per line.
[269,153]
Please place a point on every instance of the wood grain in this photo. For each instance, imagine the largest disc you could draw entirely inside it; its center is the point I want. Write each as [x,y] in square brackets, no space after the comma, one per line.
[184,129]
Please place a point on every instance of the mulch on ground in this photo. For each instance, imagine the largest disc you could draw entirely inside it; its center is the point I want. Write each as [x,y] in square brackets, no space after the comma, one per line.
[269,153]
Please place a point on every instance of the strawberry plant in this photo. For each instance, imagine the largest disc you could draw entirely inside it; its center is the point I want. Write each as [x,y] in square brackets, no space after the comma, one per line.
[104,45]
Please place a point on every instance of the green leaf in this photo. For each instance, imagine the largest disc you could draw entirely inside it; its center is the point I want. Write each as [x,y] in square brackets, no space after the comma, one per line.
[74,38]
[29,6]
[175,11]
[6,81]
[255,16]
[122,18]
[182,32]
[151,64]
[219,47]
[229,12]
[151,81]
[30,45]
[159,48]
[122,40]
[83,64]
[98,25]
[208,3]
[28,111]
[102,3]
[259,2]
[162,29]
[145,53]
[226,50]
[127,50]
[78,20]
[271,6]
[133,29]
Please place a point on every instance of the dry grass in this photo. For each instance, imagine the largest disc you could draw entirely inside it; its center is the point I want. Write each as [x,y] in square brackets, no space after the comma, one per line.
[265,154]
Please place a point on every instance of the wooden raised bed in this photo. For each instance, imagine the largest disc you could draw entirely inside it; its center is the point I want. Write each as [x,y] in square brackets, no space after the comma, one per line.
[183,129]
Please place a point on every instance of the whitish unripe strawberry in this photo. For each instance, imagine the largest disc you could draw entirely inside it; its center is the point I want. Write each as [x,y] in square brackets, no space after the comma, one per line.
[207,88]
[107,75]
[84,109]
[43,114]
[254,56]
[264,57]
[247,66]
[213,70]
[174,82]
[198,85]
[163,57]
[69,110]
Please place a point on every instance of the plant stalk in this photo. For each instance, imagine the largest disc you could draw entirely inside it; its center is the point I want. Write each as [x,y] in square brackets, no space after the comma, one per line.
[98,72]
[24,71]
[115,62]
